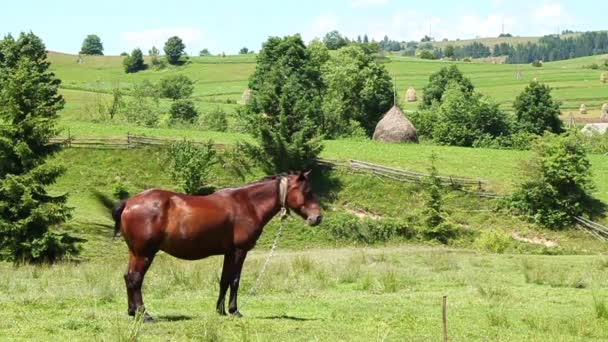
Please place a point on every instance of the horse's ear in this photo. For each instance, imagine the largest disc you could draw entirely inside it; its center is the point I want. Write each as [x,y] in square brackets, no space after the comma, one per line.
[307,174]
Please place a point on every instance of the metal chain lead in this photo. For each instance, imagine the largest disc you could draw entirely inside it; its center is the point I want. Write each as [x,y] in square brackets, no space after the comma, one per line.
[263,270]
[282,215]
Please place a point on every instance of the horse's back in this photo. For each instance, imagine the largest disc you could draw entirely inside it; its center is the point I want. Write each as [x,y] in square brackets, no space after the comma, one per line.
[189,227]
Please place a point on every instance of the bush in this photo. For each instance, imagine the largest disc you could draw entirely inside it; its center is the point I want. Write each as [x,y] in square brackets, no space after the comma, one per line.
[215,120]
[183,111]
[537,64]
[143,106]
[191,163]
[174,49]
[155,60]
[536,111]
[134,62]
[349,227]
[176,87]
[494,241]
[557,184]
[426,54]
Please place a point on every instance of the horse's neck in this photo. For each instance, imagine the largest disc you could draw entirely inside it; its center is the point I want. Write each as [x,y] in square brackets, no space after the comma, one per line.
[264,199]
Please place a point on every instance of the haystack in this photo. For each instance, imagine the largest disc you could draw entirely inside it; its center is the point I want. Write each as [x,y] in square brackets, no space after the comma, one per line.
[603,78]
[395,127]
[583,109]
[246,96]
[604,116]
[410,95]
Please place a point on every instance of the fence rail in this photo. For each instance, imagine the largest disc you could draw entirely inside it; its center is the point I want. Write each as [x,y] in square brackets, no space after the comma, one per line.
[128,142]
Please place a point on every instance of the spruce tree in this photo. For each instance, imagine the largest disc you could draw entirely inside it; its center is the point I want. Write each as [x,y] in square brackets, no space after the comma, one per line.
[536,111]
[29,102]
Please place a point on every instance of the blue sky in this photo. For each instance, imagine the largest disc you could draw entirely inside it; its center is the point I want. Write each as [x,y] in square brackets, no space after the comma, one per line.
[229,25]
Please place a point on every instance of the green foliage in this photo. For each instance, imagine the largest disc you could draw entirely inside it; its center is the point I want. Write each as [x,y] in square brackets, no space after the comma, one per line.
[462,119]
[557,185]
[204,52]
[29,102]
[537,64]
[426,54]
[92,45]
[215,120]
[117,100]
[369,231]
[494,241]
[176,87]
[536,111]
[285,107]
[449,51]
[434,225]
[134,62]
[174,49]
[143,106]
[191,163]
[358,89]
[155,60]
[243,51]
[334,40]
[183,110]
[438,83]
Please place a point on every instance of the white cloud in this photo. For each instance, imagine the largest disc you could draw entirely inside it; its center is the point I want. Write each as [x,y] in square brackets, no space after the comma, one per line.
[551,11]
[157,37]
[470,26]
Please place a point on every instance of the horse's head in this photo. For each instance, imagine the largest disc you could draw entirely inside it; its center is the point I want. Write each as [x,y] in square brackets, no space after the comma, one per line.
[300,198]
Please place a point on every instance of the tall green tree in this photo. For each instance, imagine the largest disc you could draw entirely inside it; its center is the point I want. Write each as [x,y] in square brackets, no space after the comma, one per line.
[536,111]
[92,45]
[174,49]
[334,40]
[176,87]
[29,102]
[285,108]
[438,83]
[359,91]
[134,62]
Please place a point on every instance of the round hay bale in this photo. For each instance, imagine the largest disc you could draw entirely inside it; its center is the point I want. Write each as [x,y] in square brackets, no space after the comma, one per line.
[603,78]
[410,95]
[604,116]
[246,97]
[583,109]
[394,127]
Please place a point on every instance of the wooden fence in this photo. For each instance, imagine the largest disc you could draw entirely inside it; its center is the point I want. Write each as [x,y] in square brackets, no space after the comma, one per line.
[128,142]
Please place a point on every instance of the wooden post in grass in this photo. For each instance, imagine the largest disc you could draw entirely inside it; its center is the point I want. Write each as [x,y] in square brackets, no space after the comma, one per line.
[444,318]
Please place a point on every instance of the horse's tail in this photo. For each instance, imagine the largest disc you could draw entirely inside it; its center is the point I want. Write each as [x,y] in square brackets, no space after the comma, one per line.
[115,209]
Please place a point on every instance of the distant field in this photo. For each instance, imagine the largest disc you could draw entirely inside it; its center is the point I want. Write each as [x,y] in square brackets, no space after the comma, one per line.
[220,80]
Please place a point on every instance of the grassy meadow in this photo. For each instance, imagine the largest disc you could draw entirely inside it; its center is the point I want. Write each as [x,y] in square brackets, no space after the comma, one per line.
[320,287]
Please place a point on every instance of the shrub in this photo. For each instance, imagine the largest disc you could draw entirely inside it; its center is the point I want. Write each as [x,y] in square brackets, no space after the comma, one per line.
[426,54]
[174,49]
[184,111]
[191,163]
[494,241]
[536,111]
[176,87]
[215,120]
[155,60]
[134,62]
[557,185]
[143,106]
[349,227]
[537,64]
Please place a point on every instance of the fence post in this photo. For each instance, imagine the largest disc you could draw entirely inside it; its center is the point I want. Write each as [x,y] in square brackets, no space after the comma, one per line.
[128,140]
[69,139]
[444,319]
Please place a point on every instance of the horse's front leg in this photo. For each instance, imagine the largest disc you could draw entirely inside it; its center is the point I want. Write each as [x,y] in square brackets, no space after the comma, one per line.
[240,255]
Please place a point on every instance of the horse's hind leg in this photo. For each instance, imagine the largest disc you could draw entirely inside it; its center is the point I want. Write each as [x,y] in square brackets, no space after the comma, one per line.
[138,265]
[234,282]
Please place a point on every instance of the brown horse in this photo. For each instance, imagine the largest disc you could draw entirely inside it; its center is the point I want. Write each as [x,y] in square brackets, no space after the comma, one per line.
[227,222]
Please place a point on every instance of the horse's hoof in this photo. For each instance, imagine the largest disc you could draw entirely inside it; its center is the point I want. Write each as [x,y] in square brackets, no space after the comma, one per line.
[236,314]
[148,318]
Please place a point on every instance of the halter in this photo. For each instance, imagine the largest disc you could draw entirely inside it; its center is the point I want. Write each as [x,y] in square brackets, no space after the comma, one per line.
[283,183]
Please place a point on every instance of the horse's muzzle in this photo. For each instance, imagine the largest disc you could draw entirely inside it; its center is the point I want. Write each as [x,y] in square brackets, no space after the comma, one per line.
[314,220]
